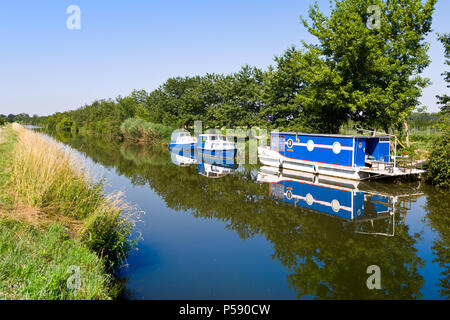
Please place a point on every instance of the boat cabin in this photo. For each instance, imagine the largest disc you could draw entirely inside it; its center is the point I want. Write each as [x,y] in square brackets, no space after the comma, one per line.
[181,137]
[212,137]
[333,149]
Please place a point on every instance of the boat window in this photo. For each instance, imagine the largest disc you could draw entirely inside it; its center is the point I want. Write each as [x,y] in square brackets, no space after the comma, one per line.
[337,147]
[310,145]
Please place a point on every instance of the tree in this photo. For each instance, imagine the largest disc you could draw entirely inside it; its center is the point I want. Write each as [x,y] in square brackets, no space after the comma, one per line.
[282,84]
[438,172]
[65,124]
[371,75]
[444,100]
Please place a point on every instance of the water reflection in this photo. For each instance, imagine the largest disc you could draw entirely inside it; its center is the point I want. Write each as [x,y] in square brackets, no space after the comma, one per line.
[324,233]
[346,199]
[207,166]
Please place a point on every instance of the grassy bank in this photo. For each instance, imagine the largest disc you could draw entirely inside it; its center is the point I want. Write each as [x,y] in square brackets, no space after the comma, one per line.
[56,224]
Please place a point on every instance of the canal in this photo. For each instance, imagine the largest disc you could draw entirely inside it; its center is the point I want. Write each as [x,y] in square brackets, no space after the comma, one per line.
[249,233]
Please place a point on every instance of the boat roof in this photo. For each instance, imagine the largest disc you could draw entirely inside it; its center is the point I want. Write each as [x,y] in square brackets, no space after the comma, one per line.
[331,135]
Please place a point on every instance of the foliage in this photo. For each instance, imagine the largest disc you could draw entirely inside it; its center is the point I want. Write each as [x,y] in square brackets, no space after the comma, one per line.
[421,120]
[139,129]
[368,75]
[439,162]
[444,100]
[352,73]
[65,124]
[438,172]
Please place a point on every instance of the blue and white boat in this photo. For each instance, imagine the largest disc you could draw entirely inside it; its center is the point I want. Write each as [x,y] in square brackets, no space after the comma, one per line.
[206,166]
[214,170]
[182,141]
[349,200]
[346,156]
[216,146]
[183,158]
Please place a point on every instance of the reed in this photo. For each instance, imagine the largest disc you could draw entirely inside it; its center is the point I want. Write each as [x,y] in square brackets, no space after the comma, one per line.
[141,130]
[46,176]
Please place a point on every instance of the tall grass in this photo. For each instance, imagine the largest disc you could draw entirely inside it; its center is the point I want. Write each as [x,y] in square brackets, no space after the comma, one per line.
[141,130]
[49,178]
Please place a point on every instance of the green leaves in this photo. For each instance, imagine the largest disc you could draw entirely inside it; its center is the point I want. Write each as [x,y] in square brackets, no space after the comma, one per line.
[370,76]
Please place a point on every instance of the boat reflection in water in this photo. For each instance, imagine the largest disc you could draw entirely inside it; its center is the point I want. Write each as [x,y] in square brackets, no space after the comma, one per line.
[210,167]
[345,199]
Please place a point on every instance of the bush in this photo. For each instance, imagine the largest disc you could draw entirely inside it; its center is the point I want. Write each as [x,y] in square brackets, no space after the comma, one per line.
[139,129]
[438,172]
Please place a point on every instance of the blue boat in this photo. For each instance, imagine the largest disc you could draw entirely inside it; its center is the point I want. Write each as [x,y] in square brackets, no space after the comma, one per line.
[183,158]
[214,170]
[210,167]
[182,141]
[216,146]
[346,156]
[345,199]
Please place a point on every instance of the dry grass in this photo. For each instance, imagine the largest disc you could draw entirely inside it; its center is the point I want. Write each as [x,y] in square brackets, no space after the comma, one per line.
[39,245]
[54,186]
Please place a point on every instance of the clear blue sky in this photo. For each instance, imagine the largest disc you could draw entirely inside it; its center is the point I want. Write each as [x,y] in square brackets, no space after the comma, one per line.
[123,45]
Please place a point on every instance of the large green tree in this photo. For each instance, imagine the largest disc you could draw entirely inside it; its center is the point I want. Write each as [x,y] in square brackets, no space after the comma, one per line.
[364,66]
[444,100]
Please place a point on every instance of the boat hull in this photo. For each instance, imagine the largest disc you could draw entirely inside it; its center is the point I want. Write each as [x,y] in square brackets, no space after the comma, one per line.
[180,147]
[273,158]
[220,154]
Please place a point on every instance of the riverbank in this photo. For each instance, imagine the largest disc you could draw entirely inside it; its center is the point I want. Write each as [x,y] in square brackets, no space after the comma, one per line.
[61,237]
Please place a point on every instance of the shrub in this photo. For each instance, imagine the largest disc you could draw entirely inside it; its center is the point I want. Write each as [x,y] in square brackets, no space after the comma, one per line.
[438,172]
[139,129]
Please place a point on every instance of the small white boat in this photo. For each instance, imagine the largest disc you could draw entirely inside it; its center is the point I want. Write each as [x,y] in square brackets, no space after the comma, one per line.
[216,146]
[182,141]
[210,170]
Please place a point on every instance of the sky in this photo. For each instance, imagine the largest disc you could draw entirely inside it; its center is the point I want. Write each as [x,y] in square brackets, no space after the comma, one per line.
[124,45]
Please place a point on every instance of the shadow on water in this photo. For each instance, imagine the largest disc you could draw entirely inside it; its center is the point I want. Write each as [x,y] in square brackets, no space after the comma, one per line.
[324,232]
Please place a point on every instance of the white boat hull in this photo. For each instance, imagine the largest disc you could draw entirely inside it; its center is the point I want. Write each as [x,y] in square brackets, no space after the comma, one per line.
[272,158]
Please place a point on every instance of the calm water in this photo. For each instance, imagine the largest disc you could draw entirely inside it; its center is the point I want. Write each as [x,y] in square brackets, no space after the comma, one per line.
[252,234]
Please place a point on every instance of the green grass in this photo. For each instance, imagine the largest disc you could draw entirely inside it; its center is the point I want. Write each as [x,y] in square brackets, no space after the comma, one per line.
[52,216]
[36,263]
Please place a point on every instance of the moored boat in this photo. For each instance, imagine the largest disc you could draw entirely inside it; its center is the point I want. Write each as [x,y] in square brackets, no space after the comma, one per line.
[349,200]
[216,146]
[182,141]
[355,157]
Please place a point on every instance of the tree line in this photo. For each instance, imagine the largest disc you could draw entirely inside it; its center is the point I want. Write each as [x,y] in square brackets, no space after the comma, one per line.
[353,72]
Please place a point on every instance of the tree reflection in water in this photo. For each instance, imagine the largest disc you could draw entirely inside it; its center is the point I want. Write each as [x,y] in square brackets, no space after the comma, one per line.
[325,257]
